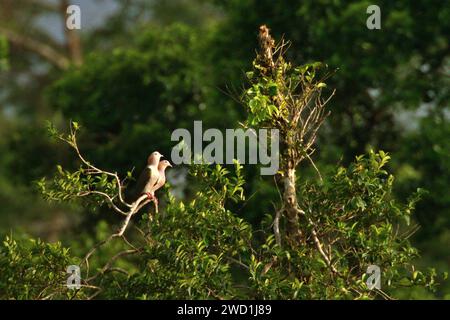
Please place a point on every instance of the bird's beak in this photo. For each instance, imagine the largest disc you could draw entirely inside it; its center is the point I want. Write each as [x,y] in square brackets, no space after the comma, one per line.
[170,165]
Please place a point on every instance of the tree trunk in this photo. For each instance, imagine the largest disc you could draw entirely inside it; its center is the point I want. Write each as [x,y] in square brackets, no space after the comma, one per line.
[291,205]
[73,41]
[290,202]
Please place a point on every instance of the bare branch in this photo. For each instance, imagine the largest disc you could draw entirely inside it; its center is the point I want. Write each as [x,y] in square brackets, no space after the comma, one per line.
[318,242]
[107,266]
[238,262]
[314,166]
[110,200]
[276,226]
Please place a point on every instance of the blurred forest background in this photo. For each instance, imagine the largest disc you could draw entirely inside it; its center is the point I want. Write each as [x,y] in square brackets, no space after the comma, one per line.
[137,70]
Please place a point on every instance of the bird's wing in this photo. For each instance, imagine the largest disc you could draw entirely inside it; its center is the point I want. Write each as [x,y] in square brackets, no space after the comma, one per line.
[153,179]
[161,181]
[142,182]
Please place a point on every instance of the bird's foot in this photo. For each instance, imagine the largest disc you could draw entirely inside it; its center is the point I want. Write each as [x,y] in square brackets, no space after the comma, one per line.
[150,196]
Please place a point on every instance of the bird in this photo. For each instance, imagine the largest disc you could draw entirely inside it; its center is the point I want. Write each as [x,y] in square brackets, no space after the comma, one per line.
[162,166]
[149,177]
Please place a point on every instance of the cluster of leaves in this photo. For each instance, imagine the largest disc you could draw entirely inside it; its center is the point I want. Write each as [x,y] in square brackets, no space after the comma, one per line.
[355,215]
[32,269]
[259,101]
[67,185]
[190,247]
[288,85]
[202,250]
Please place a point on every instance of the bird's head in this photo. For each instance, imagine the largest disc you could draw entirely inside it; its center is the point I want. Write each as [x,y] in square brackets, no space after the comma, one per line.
[164,164]
[154,157]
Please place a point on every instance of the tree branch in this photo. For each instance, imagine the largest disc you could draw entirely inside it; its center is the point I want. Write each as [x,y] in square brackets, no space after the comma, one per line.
[317,242]
[135,207]
[47,52]
[107,266]
[93,169]
[110,200]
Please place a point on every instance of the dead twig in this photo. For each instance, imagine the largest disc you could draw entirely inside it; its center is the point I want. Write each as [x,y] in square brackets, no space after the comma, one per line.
[107,266]
[318,243]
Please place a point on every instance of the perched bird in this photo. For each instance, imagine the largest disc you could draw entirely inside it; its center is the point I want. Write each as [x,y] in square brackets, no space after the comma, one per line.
[162,175]
[149,177]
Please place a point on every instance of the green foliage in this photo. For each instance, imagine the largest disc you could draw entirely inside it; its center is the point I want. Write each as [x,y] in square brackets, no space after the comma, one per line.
[286,82]
[260,107]
[201,250]
[425,162]
[131,98]
[380,75]
[190,247]
[67,185]
[32,269]
[357,212]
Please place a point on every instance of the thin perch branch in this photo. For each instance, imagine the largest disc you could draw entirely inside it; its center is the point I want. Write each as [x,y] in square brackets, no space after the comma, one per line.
[110,200]
[136,206]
